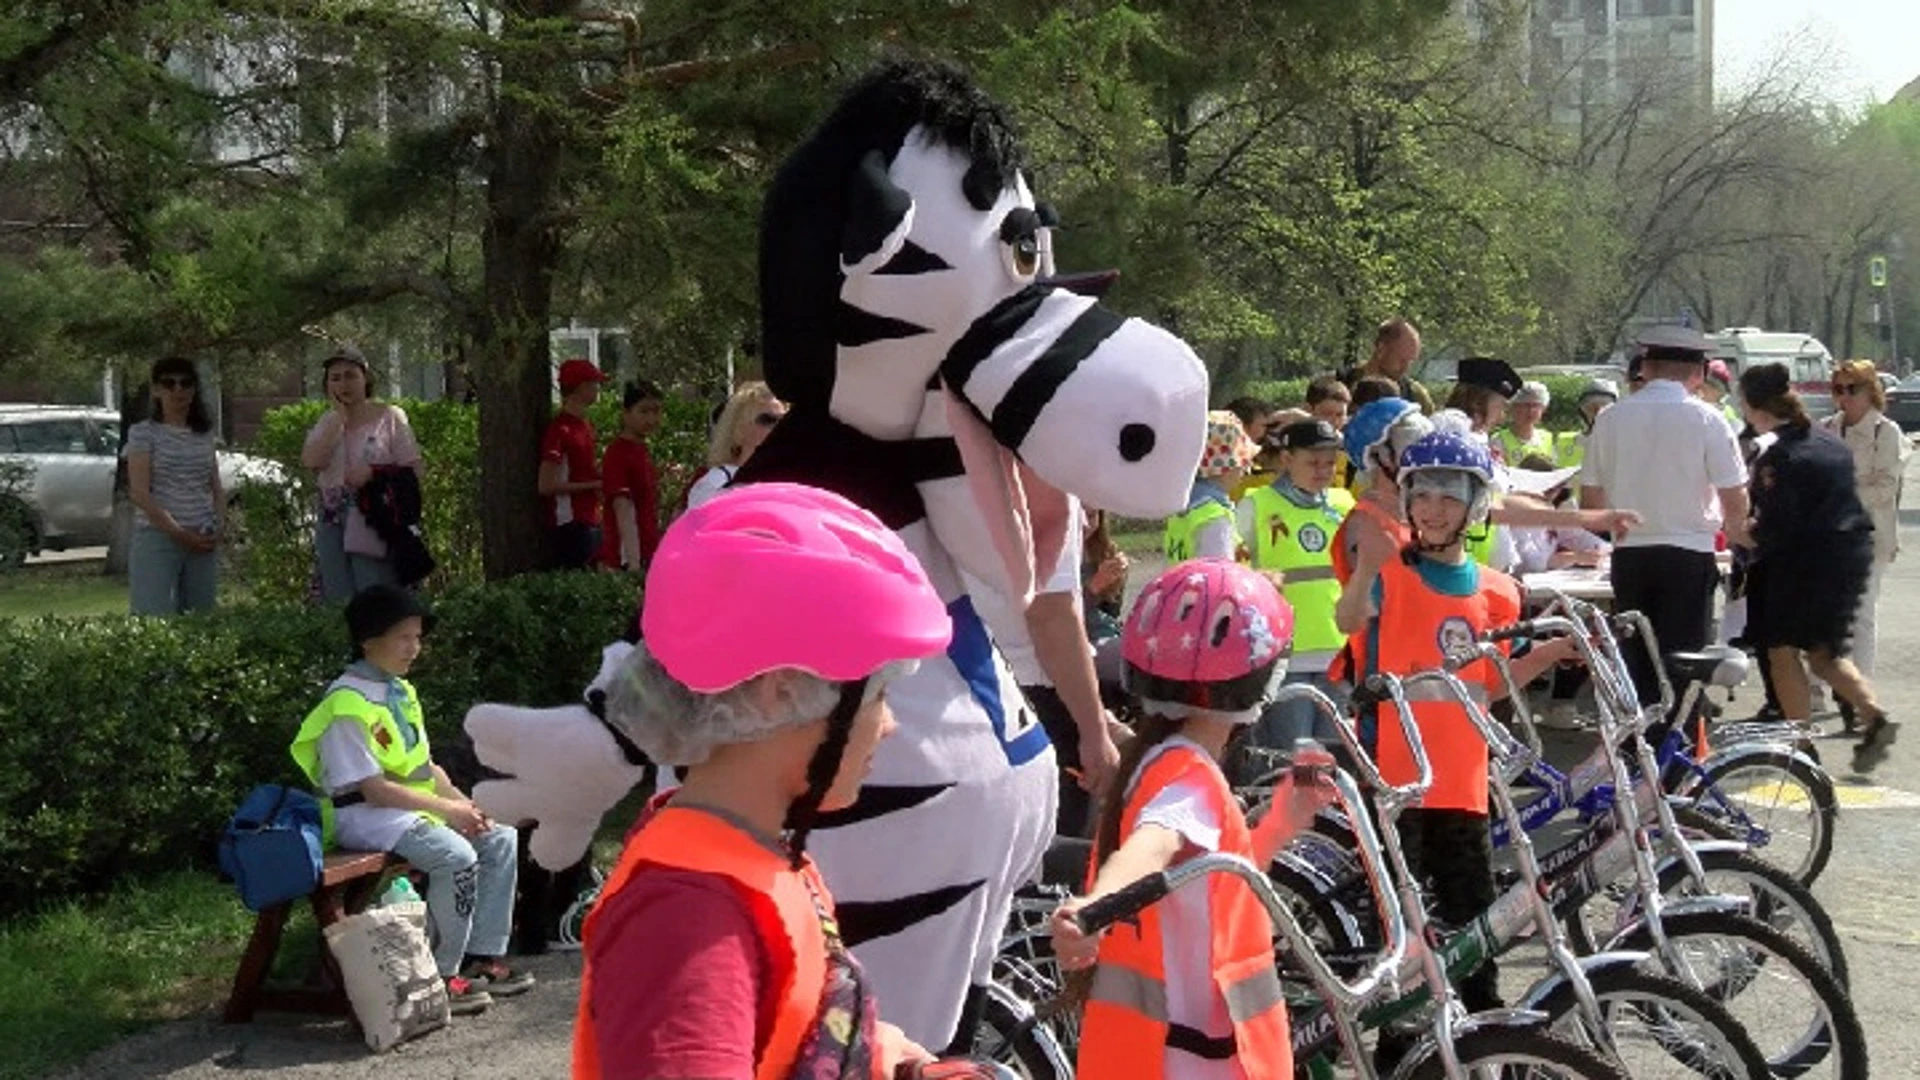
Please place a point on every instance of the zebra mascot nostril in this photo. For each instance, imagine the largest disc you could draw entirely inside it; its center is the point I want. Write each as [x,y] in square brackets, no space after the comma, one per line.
[941,377]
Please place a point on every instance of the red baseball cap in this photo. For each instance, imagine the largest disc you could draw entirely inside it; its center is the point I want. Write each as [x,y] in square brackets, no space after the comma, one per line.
[575,372]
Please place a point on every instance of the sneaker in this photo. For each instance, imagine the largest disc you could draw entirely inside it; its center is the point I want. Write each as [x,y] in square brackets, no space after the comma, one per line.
[496,978]
[1872,748]
[466,997]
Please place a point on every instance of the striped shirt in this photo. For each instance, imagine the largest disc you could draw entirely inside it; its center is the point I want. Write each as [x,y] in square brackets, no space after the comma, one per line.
[182,464]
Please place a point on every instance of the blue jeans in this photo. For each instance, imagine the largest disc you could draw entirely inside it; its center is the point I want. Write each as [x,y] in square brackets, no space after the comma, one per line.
[342,574]
[1285,722]
[470,887]
[164,578]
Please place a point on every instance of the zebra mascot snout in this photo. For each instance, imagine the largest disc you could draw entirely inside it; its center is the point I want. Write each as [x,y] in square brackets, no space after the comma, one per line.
[941,377]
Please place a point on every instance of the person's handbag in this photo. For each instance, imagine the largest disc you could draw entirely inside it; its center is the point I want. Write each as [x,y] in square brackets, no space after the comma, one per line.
[386,967]
[271,847]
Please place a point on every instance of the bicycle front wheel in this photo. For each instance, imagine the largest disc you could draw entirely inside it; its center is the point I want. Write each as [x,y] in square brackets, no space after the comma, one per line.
[1660,1027]
[1790,1004]
[1521,1054]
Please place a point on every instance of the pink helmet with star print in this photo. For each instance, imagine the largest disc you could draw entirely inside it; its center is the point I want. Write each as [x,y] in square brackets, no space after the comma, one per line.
[1209,635]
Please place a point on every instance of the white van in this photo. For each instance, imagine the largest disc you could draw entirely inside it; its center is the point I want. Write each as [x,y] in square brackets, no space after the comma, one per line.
[1808,361]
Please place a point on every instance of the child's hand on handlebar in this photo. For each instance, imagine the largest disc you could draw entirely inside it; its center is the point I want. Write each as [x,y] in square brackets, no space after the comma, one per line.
[1561,650]
[1075,949]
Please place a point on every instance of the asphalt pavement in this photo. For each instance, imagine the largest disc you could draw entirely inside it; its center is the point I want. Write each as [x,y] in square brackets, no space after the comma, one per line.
[1871,888]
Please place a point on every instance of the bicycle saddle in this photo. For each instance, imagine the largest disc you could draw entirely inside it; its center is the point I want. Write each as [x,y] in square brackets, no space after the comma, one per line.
[1715,665]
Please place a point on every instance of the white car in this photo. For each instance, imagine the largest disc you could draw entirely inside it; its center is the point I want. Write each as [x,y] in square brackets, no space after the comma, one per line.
[57,465]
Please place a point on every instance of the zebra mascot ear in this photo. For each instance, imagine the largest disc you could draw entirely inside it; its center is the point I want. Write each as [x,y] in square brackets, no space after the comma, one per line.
[879,216]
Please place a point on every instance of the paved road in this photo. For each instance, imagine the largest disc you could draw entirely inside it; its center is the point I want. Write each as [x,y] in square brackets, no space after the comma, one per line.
[1872,889]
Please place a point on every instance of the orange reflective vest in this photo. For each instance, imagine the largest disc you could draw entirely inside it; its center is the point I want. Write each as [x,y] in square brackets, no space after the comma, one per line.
[784,912]
[1126,1030]
[1417,628]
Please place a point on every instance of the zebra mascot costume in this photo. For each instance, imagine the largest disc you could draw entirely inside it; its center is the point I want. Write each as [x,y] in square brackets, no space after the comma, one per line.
[938,375]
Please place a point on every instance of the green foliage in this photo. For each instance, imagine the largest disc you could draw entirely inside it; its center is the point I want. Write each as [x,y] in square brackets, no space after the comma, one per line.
[131,740]
[278,561]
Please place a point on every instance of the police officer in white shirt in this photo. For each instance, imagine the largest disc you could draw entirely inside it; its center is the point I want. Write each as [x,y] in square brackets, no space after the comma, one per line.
[1670,456]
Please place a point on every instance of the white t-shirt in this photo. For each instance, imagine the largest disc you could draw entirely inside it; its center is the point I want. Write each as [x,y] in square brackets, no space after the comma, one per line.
[1009,625]
[1186,925]
[344,762]
[1665,454]
[711,483]
[1217,539]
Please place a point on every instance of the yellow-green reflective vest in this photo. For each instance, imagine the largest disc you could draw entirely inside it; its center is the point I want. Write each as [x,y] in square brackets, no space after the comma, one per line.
[1479,542]
[1184,527]
[1514,449]
[1298,541]
[365,700]
[1571,450]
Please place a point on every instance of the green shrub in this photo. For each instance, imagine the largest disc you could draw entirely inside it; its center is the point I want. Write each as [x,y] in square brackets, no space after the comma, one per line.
[278,558]
[131,740]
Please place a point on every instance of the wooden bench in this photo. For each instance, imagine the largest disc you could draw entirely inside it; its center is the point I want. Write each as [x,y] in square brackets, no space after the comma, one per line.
[349,880]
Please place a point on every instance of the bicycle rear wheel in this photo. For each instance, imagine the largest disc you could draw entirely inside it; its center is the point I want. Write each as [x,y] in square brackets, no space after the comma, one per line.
[1012,1035]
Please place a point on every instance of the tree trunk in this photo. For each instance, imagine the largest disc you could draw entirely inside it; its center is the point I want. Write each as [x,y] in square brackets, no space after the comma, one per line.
[520,249]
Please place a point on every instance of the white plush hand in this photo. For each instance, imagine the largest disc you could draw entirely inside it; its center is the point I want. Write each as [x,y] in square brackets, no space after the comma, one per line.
[564,773]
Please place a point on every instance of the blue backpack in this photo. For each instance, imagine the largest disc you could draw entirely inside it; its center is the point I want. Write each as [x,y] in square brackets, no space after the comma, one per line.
[271,848]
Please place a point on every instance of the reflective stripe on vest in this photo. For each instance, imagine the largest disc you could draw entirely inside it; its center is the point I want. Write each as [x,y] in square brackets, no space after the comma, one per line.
[781,900]
[1298,541]
[1418,629]
[1184,528]
[1127,1030]
[365,700]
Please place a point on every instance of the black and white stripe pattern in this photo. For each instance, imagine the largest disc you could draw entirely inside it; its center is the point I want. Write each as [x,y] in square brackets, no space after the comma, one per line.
[1009,386]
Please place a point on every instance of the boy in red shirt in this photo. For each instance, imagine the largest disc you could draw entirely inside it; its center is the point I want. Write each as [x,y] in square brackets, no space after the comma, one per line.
[630,484]
[569,478]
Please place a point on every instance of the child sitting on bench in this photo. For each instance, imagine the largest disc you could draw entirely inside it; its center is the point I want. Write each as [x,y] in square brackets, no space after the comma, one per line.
[364,749]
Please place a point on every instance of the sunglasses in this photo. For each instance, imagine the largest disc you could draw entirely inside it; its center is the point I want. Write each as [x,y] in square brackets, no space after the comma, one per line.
[1848,389]
[174,382]
[767,419]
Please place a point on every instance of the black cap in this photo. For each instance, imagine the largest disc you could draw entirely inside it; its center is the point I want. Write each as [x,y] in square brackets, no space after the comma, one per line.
[1496,375]
[1309,435]
[1674,343]
[377,609]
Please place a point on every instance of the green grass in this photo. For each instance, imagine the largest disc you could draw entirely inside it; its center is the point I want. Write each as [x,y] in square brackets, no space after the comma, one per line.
[79,589]
[85,974]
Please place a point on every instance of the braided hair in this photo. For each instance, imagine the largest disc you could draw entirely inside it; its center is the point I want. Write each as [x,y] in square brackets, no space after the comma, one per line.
[824,767]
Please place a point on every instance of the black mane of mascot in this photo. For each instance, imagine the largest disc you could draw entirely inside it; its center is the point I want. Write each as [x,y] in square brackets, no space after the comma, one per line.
[937,376]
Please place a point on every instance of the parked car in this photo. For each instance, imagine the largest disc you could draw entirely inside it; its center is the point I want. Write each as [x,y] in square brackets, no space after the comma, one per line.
[1903,403]
[57,466]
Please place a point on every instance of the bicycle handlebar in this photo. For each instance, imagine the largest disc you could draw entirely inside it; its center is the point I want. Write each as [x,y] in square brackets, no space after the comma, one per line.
[1137,896]
[1375,690]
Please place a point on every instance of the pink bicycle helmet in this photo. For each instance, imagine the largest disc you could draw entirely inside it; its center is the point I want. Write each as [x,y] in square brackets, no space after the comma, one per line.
[1208,634]
[774,576]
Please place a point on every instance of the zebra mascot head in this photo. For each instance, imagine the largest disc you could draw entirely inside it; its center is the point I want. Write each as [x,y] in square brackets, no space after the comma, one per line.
[907,299]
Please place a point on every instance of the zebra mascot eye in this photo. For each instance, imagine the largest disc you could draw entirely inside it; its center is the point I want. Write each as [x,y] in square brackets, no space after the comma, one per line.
[1020,240]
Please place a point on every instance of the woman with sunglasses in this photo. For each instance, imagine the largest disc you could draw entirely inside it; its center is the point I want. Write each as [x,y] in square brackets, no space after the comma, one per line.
[744,423]
[1814,545]
[179,512]
[1879,461]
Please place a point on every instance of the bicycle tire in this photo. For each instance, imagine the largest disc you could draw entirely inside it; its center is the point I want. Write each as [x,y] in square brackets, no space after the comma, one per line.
[1839,1031]
[1780,901]
[1546,1055]
[1820,796]
[1733,1053]
[1334,930]
[1010,1036]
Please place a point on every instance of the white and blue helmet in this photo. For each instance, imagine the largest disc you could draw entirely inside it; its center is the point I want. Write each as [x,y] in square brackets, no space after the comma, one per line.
[1388,423]
[1455,464]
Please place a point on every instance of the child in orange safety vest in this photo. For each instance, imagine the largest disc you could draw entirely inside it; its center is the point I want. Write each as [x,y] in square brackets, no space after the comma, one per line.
[1190,991]
[713,949]
[1410,609]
